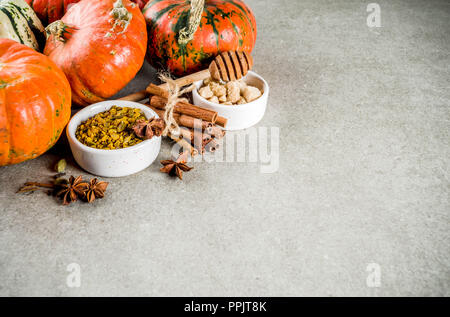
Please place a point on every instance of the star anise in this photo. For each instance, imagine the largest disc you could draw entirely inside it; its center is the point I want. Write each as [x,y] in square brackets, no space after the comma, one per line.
[148,129]
[175,168]
[95,190]
[72,190]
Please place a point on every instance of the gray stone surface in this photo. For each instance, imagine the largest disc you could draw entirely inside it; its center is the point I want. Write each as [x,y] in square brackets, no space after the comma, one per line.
[363,178]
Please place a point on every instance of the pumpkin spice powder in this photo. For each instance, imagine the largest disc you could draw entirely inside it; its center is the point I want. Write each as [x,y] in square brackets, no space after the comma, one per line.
[111,129]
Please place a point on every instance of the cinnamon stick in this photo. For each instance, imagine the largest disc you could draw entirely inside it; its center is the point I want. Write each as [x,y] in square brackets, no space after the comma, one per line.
[152,89]
[191,133]
[221,121]
[187,134]
[187,119]
[215,131]
[185,145]
[211,145]
[183,81]
[137,96]
[186,138]
[185,108]
[182,119]
[196,137]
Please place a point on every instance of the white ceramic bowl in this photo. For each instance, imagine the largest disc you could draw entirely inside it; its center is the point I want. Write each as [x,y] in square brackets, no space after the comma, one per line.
[112,163]
[239,116]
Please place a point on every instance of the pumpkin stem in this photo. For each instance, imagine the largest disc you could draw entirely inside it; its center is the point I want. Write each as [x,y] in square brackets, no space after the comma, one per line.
[60,31]
[121,16]
[195,16]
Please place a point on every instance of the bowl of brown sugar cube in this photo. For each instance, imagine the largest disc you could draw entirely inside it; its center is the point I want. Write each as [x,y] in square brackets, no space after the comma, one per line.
[243,102]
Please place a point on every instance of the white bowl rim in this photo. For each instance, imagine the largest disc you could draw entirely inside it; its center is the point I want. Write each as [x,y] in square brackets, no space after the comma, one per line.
[130,104]
[218,105]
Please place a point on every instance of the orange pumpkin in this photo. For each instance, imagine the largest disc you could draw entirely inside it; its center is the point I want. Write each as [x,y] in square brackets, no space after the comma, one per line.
[50,11]
[34,103]
[100,45]
[225,25]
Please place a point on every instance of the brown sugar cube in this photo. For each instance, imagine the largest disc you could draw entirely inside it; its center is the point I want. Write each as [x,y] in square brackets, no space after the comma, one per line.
[217,88]
[223,98]
[251,93]
[219,91]
[213,84]
[214,99]
[233,91]
[205,92]
[241,101]
[242,86]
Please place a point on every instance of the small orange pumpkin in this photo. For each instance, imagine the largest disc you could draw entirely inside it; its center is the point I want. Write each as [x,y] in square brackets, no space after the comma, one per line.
[34,103]
[100,45]
[50,11]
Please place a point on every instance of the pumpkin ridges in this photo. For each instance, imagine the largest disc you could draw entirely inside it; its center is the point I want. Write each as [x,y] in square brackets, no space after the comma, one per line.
[83,95]
[50,110]
[36,89]
[76,82]
[152,3]
[30,131]
[246,10]
[244,18]
[19,123]
[5,126]
[210,20]
[228,24]
[38,110]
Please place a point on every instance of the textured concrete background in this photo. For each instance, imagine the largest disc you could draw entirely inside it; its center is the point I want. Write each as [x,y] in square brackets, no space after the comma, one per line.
[363,178]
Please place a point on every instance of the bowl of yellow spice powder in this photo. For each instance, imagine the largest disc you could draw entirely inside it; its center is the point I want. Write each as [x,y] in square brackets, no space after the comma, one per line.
[103,141]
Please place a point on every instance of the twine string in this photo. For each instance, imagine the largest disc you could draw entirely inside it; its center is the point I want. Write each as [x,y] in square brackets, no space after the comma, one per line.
[173,98]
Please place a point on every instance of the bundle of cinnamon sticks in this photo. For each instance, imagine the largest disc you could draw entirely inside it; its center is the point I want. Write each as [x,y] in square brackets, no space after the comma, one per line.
[200,128]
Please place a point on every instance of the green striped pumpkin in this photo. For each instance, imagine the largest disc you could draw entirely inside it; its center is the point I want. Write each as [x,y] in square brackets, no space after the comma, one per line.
[225,25]
[20,23]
